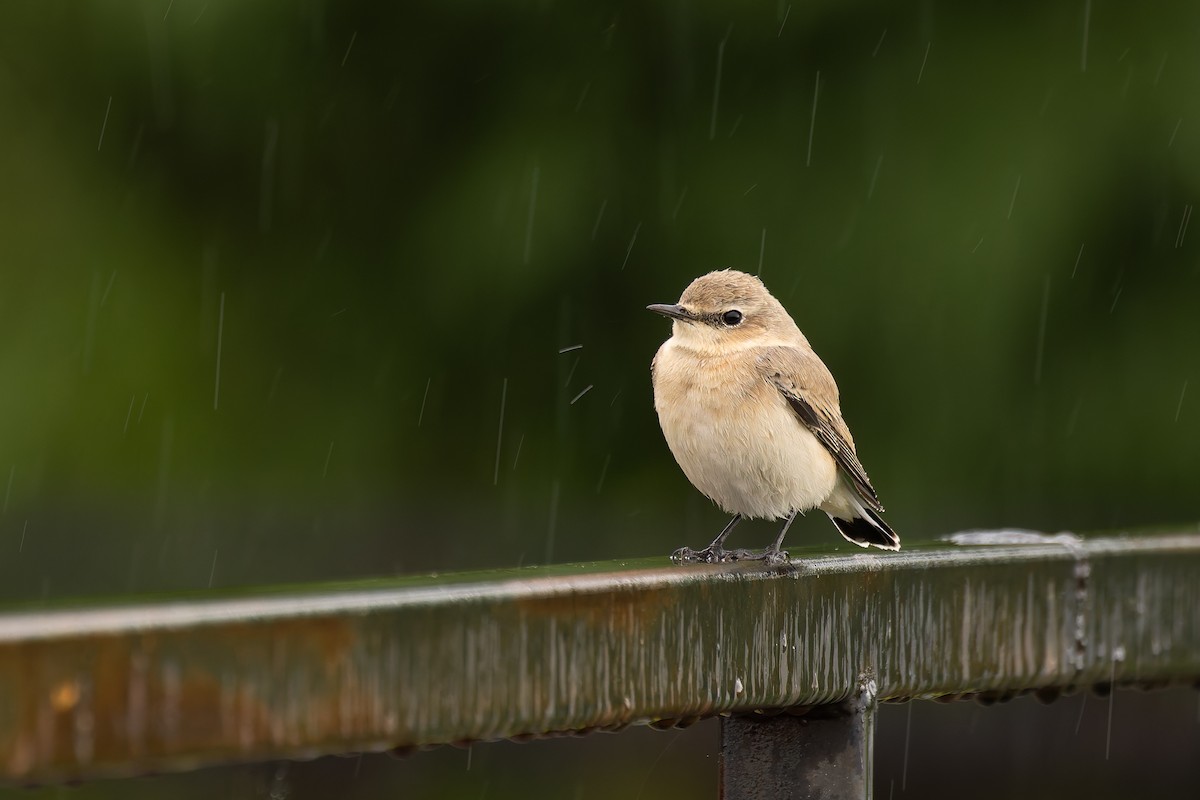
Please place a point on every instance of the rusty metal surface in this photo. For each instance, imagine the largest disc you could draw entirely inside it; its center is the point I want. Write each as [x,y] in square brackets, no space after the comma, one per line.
[174,685]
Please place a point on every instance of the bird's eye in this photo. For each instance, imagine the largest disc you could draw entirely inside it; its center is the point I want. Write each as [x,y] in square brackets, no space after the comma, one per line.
[732,318]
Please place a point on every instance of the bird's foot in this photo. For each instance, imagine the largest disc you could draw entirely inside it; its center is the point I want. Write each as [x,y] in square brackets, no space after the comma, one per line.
[683,555]
[719,555]
[775,558]
[771,557]
[709,555]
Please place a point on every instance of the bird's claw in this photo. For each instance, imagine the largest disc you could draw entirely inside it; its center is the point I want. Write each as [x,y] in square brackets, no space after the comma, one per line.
[775,558]
[719,555]
[683,555]
[709,555]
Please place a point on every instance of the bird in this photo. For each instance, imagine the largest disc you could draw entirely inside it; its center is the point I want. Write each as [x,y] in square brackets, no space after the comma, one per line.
[753,418]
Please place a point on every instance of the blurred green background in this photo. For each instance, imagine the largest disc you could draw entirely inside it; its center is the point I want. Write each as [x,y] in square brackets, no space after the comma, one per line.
[285,287]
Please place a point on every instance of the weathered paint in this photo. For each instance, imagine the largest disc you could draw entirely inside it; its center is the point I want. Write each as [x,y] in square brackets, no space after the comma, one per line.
[157,686]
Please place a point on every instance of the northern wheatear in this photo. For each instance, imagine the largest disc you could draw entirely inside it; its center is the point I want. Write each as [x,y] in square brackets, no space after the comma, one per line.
[751,414]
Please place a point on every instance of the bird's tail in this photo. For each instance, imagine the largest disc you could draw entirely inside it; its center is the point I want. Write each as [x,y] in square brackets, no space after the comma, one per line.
[868,530]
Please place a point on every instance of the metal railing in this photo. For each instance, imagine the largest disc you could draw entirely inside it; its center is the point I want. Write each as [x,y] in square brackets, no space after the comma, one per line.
[193,681]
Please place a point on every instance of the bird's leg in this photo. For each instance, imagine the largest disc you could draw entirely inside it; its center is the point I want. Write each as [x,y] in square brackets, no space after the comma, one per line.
[773,556]
[715,552]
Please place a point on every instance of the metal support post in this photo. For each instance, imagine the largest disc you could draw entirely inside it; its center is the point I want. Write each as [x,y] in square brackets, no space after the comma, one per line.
[826,753]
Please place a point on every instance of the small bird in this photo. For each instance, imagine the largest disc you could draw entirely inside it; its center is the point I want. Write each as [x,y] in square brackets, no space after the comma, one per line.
[751,414]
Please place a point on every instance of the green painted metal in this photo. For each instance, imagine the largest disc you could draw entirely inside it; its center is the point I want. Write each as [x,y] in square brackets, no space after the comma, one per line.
[177,684]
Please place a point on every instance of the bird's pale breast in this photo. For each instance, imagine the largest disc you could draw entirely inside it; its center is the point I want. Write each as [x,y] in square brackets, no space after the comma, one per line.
[735,437]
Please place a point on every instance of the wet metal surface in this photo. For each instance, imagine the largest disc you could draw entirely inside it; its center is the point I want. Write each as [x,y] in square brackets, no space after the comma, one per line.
[825,754]
[292,673]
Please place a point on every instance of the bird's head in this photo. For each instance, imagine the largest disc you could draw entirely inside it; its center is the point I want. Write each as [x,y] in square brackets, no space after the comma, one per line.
[726,310]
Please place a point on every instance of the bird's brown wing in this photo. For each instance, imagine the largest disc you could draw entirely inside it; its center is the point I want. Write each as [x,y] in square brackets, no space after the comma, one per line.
[810,390]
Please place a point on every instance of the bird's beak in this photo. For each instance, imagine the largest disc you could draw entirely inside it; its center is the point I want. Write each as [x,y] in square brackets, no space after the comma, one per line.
[672,311]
